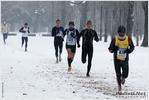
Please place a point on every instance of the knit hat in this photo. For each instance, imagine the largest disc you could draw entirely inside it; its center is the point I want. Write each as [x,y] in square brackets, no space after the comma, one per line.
[71,23]
[121,29]
[25,24]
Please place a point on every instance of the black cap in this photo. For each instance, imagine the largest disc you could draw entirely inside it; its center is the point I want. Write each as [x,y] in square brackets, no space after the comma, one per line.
[121,29]
[25,24]
[71,23]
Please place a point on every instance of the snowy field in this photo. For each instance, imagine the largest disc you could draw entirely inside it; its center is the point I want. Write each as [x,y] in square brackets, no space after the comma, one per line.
[34,74]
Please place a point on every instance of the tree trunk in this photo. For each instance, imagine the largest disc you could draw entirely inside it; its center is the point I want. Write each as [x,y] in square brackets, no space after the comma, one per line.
[63,22]
[137,37]
[100,37]
[94,15]
[145,40]
[114,28]
[106,26]
[130,18]
[83,15]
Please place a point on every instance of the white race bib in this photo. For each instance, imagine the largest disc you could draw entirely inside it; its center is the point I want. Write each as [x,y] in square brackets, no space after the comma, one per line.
[60,33]
[5,30]
[121,53]
[71,40]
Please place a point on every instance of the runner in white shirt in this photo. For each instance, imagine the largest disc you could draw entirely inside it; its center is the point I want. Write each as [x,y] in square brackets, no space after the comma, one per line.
[71,41]
[24,30]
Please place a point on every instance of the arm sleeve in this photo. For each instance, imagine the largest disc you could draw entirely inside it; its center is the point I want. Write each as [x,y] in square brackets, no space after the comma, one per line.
[96,37]
[131,45]
[112,45]
[77,32]
[21,29]
[65,32]
[78,37]
[8,29]
[28,30]
[53,33]
[1,29]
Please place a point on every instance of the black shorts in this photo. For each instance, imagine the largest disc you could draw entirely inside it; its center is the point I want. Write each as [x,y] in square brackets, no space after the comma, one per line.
[71,47]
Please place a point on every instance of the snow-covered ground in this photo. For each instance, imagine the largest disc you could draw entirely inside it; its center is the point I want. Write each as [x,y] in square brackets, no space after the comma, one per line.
[34,74]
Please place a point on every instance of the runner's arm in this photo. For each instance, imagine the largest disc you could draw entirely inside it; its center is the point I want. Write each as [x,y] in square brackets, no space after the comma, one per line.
[78,38]
[96,37]
[77,33]
[8,29]
[64,33]
[112,46]
[28,30]
[131,46]
[21,30]
[53,31]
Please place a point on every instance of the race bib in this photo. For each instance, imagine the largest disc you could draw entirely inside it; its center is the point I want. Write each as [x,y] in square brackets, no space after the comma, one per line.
[5,30]
[59,34]
[121,53]
[70,40]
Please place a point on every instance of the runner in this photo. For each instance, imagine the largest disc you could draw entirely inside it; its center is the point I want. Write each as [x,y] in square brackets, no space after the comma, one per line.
[24,30]
[57,33]
[72,34]
[121,46]
[88,35]
[5,30]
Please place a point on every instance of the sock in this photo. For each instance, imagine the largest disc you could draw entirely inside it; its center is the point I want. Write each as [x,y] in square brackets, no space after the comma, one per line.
[69,61]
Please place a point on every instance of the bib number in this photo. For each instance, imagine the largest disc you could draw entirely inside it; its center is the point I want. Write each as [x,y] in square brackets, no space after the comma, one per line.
[60,33]
[5,30]
[70,39]
[121,53]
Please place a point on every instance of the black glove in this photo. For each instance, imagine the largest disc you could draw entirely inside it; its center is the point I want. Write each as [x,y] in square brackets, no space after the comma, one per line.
[127,51]
[62,39]
[72,34]
[78,45]
[96,40]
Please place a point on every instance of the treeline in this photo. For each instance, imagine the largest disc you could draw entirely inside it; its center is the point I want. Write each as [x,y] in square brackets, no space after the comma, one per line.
[105,15]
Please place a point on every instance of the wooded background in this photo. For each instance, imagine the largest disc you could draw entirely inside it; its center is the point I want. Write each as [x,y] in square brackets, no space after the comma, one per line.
[105,15]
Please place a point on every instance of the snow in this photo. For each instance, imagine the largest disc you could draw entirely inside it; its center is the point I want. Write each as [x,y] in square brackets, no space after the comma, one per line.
[36,75]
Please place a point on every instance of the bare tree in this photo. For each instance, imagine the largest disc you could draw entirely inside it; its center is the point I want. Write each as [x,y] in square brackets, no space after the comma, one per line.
[114,20]
[101,12]
[145,40]
[84,9]
[106,25]
[130,18]
[16,13]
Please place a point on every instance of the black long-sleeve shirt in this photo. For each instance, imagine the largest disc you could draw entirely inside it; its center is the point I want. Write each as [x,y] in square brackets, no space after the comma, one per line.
[112,47]
[57,33]
[88,36]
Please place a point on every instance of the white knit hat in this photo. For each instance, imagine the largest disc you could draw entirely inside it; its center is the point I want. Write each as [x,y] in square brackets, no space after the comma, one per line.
[4,22]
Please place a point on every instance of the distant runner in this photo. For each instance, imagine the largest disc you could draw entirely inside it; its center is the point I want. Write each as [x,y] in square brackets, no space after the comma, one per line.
[88,35]
[24,30]
[57,33]
[5,30]
[121,46]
